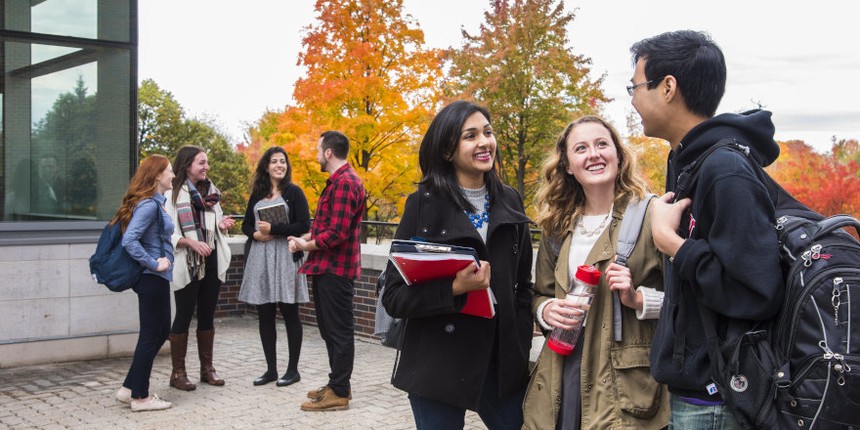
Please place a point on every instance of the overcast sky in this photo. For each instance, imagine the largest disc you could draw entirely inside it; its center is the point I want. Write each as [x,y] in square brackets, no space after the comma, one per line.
[231,61]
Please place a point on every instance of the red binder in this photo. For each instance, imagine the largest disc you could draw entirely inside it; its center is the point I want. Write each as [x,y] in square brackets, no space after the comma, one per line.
[420,262]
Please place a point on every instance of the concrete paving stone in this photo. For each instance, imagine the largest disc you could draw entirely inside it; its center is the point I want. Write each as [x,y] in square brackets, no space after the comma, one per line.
[80,395]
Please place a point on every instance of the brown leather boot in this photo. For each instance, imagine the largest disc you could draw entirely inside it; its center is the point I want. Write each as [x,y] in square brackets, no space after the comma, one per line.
[205,344]
[328,401]
[178,348]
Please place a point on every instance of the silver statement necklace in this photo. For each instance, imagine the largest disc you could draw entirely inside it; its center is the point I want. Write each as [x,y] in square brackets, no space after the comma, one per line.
[591,233]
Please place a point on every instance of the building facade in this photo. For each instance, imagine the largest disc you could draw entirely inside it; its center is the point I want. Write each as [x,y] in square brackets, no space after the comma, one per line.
[67,150]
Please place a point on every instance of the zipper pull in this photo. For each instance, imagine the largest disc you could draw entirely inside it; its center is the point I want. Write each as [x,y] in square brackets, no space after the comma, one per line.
[807,258]
[828,353]
[836,299]
[780,222]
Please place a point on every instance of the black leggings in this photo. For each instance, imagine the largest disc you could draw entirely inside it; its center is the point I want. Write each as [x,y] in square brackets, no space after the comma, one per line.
[269,336]
[201,294]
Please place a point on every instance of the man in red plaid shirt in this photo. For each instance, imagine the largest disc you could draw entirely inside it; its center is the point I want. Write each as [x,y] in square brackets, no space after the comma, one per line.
[334,260]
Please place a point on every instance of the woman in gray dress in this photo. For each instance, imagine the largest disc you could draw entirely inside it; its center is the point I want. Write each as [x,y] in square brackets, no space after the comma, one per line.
[277,209]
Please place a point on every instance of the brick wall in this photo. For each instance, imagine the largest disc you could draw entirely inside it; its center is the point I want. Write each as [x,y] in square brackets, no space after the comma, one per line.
[364,303]
[228,301]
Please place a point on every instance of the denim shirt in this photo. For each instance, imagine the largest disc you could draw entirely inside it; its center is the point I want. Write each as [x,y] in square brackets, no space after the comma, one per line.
[142,239]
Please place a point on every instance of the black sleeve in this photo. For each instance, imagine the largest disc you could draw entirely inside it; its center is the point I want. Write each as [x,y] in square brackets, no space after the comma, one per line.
[299,214]
[248,227]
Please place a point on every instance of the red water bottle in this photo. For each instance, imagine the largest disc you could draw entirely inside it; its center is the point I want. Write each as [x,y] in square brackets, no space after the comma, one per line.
[581,292]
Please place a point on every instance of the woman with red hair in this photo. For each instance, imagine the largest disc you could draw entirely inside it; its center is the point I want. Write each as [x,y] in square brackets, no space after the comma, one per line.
[147,240]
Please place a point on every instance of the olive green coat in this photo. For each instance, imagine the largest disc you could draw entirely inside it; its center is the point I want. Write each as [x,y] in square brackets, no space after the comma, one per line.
[617,389]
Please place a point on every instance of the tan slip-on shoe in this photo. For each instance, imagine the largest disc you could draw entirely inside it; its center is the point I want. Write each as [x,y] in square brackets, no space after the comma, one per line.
[329,401]
[123,395]
[151,403]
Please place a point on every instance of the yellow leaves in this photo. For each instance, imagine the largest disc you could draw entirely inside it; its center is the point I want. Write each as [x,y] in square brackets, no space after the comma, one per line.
[650,154]
[370,77]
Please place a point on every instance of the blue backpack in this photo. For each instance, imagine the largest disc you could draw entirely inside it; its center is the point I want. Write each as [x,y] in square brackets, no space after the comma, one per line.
[111,265]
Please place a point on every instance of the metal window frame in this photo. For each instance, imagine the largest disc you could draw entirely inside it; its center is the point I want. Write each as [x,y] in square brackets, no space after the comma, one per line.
[69,232]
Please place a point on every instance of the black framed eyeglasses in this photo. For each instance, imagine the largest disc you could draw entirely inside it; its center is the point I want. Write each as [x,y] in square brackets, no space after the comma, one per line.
[631,88]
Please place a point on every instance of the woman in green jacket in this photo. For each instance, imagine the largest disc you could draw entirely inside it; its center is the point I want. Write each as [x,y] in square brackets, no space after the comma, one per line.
[589,179]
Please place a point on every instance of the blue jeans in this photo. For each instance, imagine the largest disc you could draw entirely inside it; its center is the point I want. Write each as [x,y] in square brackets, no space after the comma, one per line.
[687,416]
[496,413]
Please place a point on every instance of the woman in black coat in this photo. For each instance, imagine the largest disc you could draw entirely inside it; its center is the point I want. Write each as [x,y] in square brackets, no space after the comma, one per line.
[451,361]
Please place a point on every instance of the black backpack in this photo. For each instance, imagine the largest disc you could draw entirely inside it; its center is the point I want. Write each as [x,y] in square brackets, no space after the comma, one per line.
[802,369]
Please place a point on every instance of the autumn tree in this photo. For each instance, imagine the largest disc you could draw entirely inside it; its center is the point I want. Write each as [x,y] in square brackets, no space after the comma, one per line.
[370,77]
[846,150]
[821,181]
[160,120]
[650,153]
[163,128]
[520,66]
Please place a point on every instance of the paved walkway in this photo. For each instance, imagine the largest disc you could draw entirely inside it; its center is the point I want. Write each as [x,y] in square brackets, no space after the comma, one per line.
[80,395]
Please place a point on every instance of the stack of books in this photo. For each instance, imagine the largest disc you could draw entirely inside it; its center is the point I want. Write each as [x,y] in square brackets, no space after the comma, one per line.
[420,262]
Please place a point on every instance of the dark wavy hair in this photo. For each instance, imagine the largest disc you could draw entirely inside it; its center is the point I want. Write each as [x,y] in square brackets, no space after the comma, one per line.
[261,186]
[696,62]
[184,157]
[440,141]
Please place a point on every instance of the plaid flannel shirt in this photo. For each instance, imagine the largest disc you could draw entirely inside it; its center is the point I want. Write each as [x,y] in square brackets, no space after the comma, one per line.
[337,226]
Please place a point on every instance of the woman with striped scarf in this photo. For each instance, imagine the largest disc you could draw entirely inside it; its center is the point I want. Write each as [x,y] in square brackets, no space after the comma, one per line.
[202,259]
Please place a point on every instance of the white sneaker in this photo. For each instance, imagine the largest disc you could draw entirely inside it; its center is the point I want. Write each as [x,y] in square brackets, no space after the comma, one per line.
[123,395]
[151,403]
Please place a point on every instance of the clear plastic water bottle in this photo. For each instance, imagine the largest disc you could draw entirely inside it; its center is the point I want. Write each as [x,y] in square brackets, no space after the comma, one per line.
[581,292]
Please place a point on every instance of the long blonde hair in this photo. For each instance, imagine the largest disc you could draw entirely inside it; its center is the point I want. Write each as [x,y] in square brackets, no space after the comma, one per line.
[142,186]
[560,197]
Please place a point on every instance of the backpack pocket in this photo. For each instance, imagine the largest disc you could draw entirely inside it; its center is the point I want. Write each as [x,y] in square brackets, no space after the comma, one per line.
[746,376]
[824,394]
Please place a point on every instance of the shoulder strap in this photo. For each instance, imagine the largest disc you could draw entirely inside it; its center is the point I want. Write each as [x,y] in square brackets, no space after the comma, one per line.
[628,234]
[690,173]
[783,201]
[631,225]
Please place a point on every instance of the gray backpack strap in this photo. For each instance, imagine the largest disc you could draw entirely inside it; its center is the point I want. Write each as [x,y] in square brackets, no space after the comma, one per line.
[631,225]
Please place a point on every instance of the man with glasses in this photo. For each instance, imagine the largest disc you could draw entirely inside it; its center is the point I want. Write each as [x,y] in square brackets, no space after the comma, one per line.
[720,242]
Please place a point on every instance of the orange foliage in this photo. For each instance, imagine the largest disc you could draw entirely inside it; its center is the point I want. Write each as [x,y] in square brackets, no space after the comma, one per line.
[370,77]
[651,156]
[821,181]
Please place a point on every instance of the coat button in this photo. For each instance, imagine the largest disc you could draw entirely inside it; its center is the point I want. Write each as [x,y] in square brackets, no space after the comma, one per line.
[426,193]
[425,230]
[443,232]
[449,328]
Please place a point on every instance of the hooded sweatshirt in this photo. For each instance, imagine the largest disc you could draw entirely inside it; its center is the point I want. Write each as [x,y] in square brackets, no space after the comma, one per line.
[729,257]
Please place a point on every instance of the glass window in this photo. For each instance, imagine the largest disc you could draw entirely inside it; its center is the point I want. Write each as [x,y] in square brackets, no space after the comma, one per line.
[67,117]
[87,19]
